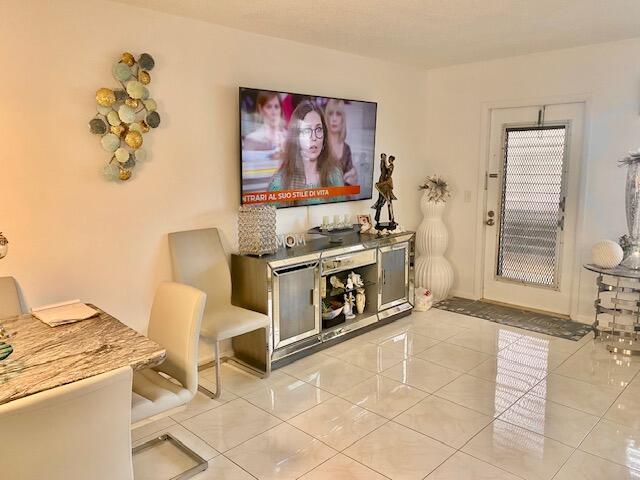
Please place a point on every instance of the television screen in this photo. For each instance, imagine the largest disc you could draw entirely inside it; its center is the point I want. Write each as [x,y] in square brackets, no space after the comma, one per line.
[305,150]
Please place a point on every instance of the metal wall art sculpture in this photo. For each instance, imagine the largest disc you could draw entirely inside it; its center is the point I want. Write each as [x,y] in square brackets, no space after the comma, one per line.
[125,114]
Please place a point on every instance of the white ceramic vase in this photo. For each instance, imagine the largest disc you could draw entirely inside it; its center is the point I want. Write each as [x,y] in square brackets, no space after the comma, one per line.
[432,270]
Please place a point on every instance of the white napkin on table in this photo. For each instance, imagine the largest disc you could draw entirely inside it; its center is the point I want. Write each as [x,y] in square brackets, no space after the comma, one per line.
[64,312]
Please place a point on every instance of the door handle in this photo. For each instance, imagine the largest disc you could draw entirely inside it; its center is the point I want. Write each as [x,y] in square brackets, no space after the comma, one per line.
[490,221]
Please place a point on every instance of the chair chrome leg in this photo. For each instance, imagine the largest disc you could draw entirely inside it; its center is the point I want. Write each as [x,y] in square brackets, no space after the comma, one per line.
[201,463]
[260,372]
[213,395]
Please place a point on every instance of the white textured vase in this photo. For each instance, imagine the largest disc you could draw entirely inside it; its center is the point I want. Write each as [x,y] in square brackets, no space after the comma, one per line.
[432,270]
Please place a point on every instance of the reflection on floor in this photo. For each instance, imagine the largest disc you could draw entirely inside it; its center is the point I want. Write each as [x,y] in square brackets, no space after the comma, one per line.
[435,395]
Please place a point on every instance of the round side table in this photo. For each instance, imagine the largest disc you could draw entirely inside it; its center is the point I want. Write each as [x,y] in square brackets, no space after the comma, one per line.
[619,298]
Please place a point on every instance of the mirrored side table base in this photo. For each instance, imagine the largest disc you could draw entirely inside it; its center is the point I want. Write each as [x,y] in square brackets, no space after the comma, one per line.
[617,309]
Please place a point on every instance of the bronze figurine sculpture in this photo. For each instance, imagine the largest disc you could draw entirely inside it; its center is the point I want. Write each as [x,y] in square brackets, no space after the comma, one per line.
[385,193]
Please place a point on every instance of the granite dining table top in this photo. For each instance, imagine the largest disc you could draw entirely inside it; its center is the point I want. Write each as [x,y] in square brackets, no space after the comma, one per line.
[45,357]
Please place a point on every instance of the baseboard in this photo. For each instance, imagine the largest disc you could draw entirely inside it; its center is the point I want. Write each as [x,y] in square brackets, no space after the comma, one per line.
[586,319]
[463,294]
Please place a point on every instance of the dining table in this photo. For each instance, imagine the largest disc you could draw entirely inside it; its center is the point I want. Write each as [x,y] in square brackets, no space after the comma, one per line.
[46,357]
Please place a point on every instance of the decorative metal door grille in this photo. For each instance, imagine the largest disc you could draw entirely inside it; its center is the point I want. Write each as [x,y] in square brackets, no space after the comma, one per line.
[532,207]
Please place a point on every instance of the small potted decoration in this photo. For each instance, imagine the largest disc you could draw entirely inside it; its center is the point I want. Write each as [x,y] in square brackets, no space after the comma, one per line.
[424,299]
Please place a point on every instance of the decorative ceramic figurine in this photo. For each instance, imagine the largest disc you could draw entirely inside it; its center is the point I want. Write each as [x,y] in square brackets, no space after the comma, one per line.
[606,254]
[4,245]
[384,185]
[348,306]
[349,283]
[360,300]
[335,282]
[356,280]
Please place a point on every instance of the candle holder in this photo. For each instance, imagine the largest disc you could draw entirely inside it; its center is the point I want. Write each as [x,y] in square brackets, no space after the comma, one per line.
[257,230]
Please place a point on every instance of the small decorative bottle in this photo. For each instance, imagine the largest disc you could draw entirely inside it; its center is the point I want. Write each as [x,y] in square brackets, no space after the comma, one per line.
[360,300]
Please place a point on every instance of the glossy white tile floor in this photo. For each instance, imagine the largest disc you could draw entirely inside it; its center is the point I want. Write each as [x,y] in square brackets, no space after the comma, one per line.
[435,395]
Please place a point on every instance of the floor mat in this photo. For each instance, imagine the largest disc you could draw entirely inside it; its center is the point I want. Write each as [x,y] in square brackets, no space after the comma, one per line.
[515,317]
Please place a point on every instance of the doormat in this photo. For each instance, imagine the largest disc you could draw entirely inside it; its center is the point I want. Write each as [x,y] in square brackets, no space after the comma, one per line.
[515,317]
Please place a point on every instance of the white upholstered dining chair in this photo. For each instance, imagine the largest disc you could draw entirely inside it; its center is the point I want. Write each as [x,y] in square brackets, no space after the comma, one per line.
[174,323]
[198,258]
[9,300]
[77,431]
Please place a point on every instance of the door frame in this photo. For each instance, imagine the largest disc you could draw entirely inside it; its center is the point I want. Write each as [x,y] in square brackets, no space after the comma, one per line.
[481,197]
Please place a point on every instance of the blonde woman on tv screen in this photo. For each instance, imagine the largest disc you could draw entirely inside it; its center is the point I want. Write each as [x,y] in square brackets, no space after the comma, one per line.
[339,151]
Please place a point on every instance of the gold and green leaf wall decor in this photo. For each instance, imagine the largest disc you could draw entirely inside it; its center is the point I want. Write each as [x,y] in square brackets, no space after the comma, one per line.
[125,114]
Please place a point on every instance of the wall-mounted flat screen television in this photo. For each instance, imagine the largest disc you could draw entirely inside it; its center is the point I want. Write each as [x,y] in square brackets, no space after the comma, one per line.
[305,150]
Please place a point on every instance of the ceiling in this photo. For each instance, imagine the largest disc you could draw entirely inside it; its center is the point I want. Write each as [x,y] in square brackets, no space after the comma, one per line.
[426,33]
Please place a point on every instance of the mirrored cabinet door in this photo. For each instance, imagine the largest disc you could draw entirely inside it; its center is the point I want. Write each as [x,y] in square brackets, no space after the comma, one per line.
[295,308]
[393,275]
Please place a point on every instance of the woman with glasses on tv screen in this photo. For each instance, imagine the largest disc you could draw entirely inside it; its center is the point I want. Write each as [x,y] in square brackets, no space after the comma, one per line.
[340,151]
[270,134]
[306,162]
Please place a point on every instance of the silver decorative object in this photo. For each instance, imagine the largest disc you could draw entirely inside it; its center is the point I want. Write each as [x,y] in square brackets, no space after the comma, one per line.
[257,230]
[632,205]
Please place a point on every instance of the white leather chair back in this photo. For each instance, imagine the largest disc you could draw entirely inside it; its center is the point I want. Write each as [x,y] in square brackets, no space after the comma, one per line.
[79,431]
[176,317]
[9,300]
[198,259]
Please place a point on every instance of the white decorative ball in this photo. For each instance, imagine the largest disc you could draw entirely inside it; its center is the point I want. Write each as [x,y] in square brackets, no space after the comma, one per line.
[606,254]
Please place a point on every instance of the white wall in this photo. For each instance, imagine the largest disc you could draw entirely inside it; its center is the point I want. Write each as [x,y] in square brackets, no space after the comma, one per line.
[607,74]
[73,234]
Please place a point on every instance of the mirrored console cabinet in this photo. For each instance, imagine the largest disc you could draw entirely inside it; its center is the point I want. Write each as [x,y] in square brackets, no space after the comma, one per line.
[322,293]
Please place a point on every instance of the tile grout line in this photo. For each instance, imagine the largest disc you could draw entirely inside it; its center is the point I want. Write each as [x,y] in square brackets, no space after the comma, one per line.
[637,374]
[338,452]
[388,420]
[492,422]
[574,449]
[240,467]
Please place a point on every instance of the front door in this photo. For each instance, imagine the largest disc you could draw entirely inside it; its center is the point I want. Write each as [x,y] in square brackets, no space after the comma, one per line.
[532,187]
